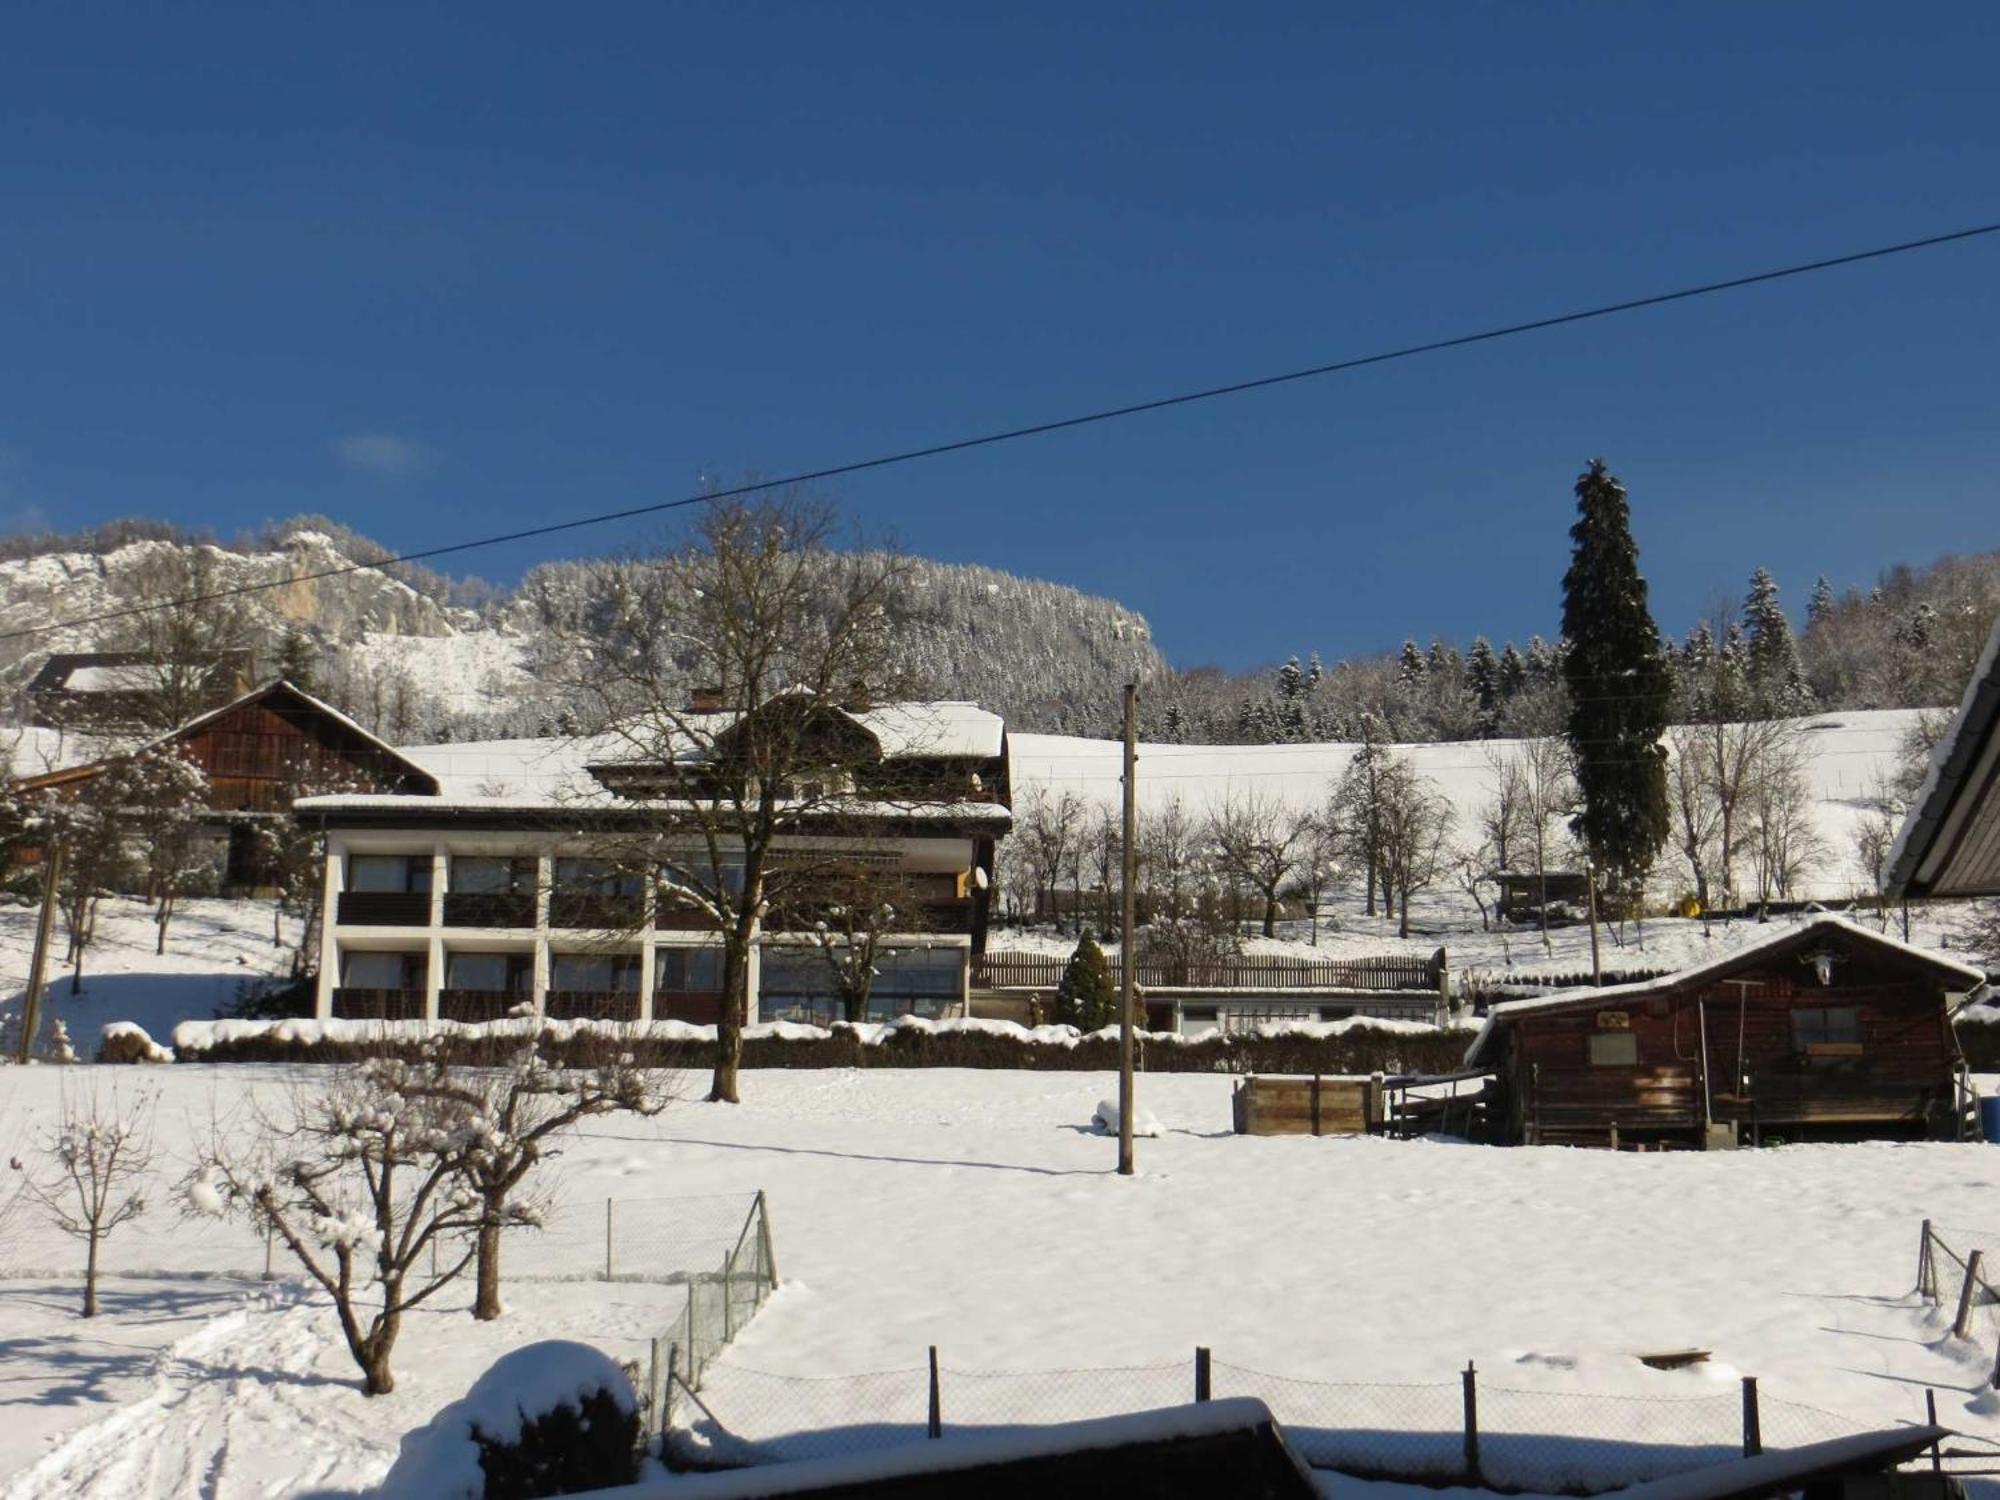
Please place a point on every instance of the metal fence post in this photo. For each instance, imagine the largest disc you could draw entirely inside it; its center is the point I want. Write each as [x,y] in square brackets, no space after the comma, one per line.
[1471,1378]
[1926,1277]
[653,1391]
[1930,1416]
[764,1238]
[1962,1324]
[667,1394]
[1753,1424]
[1201,1380]
[935,1426]
[270,1236]
[608,1262]
[693,1344]
[728,1301]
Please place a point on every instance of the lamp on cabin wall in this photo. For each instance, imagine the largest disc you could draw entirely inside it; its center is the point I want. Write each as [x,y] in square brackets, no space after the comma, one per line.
[1822,959]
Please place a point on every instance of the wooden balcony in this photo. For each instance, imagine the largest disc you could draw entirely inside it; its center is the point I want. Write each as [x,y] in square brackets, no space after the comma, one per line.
[489,909]
[378,1005]
[383,909]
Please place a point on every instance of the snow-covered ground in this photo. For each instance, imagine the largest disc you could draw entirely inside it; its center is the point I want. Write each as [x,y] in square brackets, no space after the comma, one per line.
[216,952]
[977,1211]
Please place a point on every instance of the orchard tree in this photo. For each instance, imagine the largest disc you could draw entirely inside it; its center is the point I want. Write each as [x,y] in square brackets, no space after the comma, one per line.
[1260,843]
[160,798]
[99,1157]
[1620,688]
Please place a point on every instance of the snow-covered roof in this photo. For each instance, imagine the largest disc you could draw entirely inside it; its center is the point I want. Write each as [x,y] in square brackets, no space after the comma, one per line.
[946,730]
[125,677]
[1589,997]
[597,803]
[41,751]
[1960,792]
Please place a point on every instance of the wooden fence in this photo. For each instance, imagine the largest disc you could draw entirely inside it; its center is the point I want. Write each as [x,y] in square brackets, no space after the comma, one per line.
[1044,971]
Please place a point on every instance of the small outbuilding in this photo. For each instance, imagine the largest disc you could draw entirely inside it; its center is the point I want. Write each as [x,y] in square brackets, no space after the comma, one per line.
[1826,1030]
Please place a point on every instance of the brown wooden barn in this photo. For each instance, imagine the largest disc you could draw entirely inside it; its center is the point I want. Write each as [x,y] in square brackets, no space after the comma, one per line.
[1822,1031]
[259,751]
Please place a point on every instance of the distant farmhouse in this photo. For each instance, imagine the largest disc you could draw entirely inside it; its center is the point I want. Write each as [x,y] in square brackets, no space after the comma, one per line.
[493,890]
[257,752]
[110,692]
[1822,1031]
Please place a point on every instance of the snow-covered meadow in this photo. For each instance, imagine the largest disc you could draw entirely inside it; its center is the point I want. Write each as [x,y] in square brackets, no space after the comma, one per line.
[978,1211]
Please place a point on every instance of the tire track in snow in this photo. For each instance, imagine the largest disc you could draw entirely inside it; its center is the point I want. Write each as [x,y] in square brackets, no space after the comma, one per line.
[175,1441]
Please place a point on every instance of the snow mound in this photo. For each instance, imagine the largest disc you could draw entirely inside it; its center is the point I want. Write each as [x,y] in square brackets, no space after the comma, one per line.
[129,1039]
[1106,1120]
[440,1460]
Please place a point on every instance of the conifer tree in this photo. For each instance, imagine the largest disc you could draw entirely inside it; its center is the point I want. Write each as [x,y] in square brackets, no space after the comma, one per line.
[1482,680]
[1087,998]
[1619,685]
[298,660]
[1513,671]
[1291,681]
[1411,666]
[1821,604]
[1776,675]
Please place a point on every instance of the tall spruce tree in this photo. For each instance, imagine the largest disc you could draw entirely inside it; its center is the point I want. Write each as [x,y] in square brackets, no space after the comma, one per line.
[1619,684]
[1482,680]
[1777,675]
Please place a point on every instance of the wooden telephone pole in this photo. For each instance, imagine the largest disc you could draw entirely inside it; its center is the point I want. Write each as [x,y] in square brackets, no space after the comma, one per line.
[1128,964]
[31,1009]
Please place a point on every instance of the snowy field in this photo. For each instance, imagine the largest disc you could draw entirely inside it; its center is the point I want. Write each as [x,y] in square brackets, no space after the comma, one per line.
[975,1211]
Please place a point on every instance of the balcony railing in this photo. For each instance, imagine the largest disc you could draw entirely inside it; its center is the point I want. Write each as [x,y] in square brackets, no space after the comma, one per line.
[696,1007]
[483,1005]
[489,909]
[592,1005]
[589,909]
[383,909]
[378,1005]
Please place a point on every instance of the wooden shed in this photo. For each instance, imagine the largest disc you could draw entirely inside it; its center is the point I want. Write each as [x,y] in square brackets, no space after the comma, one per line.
[1822,1031]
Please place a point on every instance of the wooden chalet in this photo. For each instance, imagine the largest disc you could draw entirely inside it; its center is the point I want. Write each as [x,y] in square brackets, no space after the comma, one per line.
[1823,1031]
[1950,843]
[259,752]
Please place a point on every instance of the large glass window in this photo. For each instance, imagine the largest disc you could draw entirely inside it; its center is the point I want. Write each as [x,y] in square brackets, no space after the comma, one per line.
[382,971]
[687,971]
[797,983]
[697,872]
[936,972]
[399,873]
[483,875]
[491,973]
[596,877]
[594,973]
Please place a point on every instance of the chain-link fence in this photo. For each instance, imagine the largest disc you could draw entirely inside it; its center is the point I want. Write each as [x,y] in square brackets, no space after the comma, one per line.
[1957,1268]
[1459,1431]
[720,1302]
[602,1239]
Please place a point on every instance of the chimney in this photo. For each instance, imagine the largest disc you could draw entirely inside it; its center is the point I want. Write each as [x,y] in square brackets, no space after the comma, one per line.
[705,700]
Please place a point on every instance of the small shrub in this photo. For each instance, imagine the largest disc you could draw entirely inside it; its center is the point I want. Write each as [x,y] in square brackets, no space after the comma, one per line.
[124,1042]
[590,1446]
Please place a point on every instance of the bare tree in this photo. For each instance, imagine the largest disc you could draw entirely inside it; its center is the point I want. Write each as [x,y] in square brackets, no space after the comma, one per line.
[1416,821]
[524,1111]
[358,1178]
[100,1154]
[1696,818]
[1473,870]
[87,827]
[760,609]
[1047,830]
[1549,797]
[161,798]
[858,906]
[1785,843]
[194,646]
[1503,816]
[1259,843]
[1355,809]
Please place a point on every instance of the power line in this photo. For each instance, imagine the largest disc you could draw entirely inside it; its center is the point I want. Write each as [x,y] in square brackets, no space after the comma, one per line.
[1039,429]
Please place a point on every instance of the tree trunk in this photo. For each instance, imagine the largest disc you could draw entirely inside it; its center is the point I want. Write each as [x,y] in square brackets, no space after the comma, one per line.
[90,1276]
[722,1088]
[486,1304]
[1270,914]
[1403,925]
[166,915]
[377,1379]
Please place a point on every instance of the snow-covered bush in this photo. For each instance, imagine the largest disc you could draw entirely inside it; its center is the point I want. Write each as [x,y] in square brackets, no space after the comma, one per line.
[1105,1121]
[554,1418]
[128,1042]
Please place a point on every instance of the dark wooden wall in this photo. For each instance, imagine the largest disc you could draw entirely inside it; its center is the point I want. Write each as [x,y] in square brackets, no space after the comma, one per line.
[256,752]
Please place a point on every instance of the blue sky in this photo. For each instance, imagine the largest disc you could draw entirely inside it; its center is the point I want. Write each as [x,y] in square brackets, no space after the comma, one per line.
[445,270]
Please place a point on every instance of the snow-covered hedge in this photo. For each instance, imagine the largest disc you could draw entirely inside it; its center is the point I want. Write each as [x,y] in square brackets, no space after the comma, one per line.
[1357,1045]
[127,1042]
[554,1418]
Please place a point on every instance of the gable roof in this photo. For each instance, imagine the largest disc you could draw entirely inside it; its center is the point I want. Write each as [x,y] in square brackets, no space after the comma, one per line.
[1950,842]
[277,687]
[1953,974]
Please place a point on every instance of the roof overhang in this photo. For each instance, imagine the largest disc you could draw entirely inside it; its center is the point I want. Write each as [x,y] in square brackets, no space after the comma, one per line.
[1950,842]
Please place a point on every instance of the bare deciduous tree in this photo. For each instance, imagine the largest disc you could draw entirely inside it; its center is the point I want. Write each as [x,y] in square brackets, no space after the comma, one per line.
[193,645]
[858,905]
[1785,843]
[358,1177]
[1549,797]
[100,1153]
[1047,830]
[1416,821]
[1259,843]
[759,608]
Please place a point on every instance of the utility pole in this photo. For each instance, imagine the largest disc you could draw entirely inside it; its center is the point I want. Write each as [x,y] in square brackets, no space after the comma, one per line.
[1128,965]
[31,1010]
[1590,880]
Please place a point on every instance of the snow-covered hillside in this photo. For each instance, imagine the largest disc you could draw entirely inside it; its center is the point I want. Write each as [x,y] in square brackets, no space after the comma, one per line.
[1848,756]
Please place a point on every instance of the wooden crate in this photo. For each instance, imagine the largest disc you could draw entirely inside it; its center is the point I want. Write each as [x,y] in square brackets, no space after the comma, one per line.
[1316,1105]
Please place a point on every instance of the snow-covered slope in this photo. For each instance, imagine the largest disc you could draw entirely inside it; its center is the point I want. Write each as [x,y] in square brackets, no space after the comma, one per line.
[1847,756]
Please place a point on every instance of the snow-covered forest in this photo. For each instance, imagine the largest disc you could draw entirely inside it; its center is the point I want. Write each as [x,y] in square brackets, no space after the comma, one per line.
[422,657]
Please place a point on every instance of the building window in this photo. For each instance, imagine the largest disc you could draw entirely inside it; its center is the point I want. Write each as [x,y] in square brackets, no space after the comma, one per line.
[1614,1049]
[1335,1012]
[481,875]
[698,873]
[687,971]
[382,971]
[402,874]
[596,877]
[594,973]
[490,973]
[1826,1025]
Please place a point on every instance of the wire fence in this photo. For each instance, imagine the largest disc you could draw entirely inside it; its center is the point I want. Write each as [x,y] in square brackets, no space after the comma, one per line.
[720,1303]
[1459,1431]
[668,1240]
[1954,1265]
